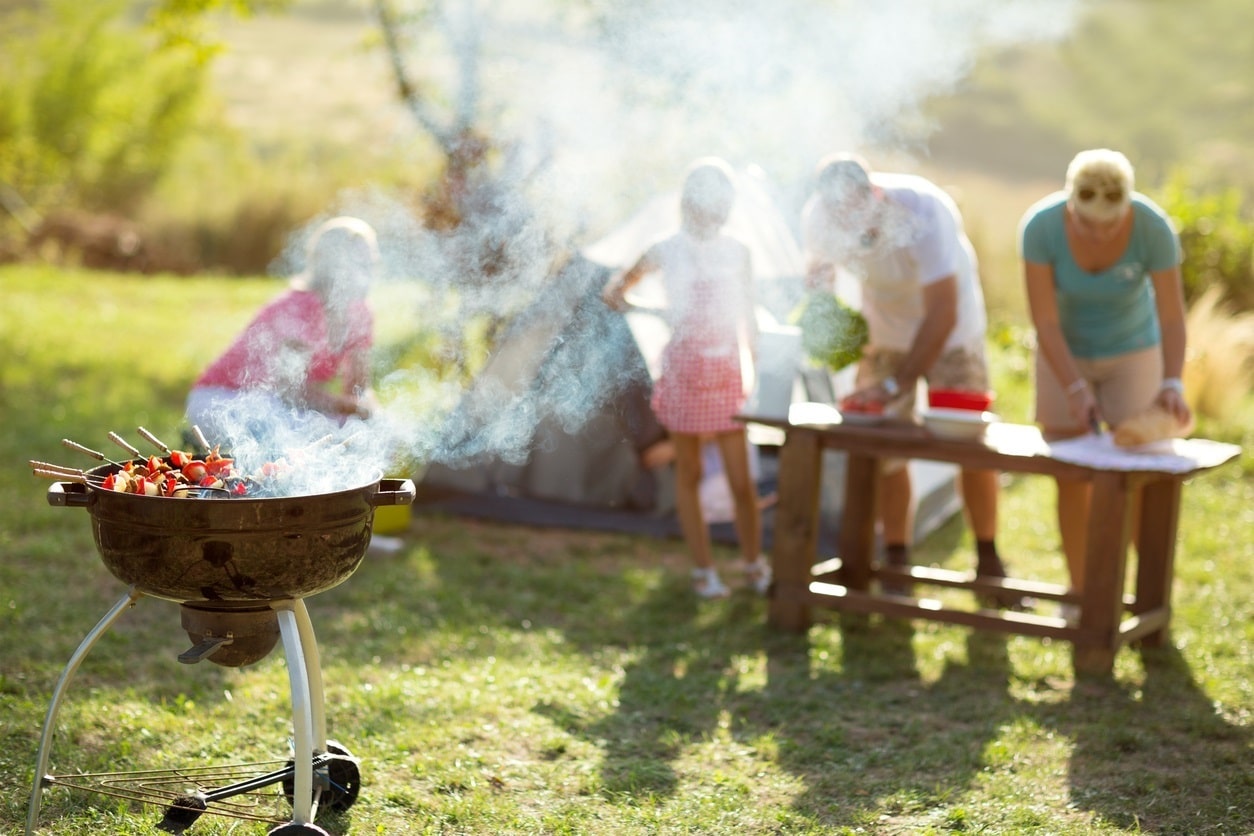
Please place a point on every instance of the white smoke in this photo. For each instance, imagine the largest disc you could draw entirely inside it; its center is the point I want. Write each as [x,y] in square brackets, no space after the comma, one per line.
[600,107]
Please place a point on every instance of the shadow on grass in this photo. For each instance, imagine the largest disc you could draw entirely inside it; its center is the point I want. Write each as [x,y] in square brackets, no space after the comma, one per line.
[842,708]
[860,730]
[868,738]
[1158,758]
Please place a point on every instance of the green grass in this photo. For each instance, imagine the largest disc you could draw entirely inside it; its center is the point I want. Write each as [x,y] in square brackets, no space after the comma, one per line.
[498,679]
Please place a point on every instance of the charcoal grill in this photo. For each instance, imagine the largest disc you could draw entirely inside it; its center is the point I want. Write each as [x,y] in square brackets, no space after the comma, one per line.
[240,569]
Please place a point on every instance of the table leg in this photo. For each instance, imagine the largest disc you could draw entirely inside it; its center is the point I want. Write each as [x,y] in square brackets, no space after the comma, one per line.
[1101,603]
[796,530]
[857,522]
[1156,550]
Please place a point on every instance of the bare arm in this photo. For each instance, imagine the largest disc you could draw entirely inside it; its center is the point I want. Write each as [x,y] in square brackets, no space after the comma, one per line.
[1043,306]
[940,300]
[352,397]
[940,306]
[615,290]
[1169,299]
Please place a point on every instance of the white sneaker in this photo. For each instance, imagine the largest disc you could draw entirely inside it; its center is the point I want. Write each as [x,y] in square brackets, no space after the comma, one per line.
[707,584]
[758,574]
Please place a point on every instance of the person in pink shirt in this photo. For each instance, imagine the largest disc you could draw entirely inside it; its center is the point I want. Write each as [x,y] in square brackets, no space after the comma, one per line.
[302,365]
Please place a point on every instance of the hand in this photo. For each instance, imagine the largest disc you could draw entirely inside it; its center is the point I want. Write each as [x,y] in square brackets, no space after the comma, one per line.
[1083,407]
[1173,401]
[868,399]
[356,406]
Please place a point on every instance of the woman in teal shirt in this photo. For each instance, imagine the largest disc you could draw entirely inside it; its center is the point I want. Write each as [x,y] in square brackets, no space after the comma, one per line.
[1102,267]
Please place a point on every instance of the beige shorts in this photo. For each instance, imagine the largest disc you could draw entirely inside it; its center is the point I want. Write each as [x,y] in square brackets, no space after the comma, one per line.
[964,367]
[1124,385]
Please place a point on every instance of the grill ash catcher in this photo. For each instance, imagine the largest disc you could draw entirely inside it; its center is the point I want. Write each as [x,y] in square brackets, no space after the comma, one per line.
[240,569]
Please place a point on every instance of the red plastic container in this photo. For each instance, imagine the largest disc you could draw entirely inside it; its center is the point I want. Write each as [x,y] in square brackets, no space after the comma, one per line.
[957,399]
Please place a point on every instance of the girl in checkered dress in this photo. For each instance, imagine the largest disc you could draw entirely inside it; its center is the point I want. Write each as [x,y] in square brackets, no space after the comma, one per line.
[707,278]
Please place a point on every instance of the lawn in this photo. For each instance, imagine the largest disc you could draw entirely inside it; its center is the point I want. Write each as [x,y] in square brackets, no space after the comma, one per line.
[497,679]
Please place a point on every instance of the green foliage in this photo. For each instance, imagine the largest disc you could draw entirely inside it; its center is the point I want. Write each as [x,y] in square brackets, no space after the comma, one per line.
[1217,234]
[181,22]
[91,114]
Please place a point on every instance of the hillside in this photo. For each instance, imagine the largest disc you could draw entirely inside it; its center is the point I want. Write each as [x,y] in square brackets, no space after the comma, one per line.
[1168,83]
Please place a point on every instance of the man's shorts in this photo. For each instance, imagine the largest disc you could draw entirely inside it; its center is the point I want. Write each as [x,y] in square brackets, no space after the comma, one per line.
[963,367]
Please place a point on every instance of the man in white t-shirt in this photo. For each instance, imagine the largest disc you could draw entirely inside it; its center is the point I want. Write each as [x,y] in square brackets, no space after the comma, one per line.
[902,237]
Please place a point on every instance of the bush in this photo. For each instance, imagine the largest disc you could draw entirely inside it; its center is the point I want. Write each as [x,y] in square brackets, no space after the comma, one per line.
[1217,237]
[91,114]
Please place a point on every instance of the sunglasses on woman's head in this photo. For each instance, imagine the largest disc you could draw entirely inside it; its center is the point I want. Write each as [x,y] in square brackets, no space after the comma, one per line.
[1088,195]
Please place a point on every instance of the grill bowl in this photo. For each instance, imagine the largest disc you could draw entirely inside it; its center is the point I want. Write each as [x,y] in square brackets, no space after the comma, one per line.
[203,551]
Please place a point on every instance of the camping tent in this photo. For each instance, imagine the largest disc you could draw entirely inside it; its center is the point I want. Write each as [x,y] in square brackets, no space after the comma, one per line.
[555,426]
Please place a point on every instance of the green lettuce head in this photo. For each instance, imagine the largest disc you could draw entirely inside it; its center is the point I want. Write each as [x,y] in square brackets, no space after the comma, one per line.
[832,333]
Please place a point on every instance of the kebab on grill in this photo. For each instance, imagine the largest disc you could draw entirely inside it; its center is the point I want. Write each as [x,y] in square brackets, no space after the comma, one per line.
[177,474]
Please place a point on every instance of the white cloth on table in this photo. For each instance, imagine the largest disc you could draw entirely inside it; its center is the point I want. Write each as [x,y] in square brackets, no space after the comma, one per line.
[1173,455]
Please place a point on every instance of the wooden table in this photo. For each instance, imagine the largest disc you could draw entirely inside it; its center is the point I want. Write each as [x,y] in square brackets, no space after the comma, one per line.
[1107,618]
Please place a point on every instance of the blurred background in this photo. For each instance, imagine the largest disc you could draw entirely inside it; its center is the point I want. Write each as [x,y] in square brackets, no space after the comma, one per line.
[488,140]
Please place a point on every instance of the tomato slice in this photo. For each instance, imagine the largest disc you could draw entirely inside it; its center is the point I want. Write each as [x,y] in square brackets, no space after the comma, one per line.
[194,471]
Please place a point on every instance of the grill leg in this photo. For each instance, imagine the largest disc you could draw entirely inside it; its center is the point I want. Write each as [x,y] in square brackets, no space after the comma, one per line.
[313,671]
[58,693]
[303,719]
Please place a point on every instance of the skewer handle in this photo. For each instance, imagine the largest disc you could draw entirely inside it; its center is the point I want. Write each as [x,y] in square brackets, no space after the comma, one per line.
[60,476]
[158,442]
[200,439]
[74,445]
[49,466]
[125,445]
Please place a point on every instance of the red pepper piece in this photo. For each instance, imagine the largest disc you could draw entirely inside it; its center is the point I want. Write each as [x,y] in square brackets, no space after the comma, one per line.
[219,466]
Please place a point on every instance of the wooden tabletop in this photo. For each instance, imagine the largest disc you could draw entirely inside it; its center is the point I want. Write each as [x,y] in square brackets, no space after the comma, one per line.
[1004,446]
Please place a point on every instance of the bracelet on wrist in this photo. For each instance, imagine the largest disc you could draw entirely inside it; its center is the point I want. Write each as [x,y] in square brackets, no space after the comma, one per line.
[1173,383]
[1077,385]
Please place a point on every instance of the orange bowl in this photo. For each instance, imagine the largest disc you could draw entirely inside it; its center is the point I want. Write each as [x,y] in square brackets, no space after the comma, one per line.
[958,399]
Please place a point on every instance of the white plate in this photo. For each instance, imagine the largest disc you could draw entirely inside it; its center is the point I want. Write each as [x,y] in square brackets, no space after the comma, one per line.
[862,419]
[958,423]
[962,416]
[807,412]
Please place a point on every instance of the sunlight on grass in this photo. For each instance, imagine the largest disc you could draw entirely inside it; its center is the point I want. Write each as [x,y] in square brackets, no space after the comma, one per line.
[503,679]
